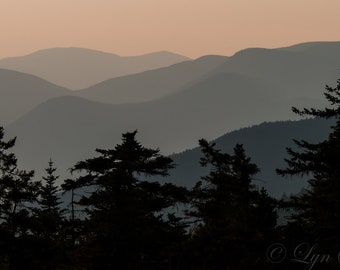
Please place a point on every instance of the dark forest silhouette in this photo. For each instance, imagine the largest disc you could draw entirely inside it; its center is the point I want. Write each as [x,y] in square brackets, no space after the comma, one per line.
[124,220]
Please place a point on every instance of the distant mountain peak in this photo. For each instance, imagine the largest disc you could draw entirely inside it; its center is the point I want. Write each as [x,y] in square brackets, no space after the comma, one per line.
[77,68]
[306,45]
[165,52]
[70,49]
[254,50]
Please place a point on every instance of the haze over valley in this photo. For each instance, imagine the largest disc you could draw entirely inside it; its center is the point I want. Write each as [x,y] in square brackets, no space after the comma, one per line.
[77,68]
[171,106]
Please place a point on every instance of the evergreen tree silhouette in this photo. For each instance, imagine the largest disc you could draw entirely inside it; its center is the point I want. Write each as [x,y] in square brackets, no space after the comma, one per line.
[49,213]
[70,185]
[73,226]
[317,208]
[17,192]
[233,219]
[127,226]
[48,221]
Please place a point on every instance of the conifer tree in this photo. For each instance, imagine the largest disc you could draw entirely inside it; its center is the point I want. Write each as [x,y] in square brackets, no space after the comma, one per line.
[17,192]
[73,222]
[70,185]
[126,225]
[317,208]
[49,213]
[233,218]
[48,222]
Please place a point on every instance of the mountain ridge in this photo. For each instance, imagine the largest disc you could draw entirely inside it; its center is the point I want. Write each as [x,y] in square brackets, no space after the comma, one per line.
[152,84]
[265,144]
[77,68]
[236,92]
[21,92]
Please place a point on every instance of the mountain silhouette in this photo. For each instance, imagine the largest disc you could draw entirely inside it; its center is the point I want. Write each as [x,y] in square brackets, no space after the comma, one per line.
[296,74]
[70,128]
[153,84]
[265,144]
[328,49]
[299,74]
[19,93]
[222,95]
[75,137]
[77,68]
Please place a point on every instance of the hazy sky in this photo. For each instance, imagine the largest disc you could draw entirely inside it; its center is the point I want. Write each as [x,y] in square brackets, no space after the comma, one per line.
[188,27]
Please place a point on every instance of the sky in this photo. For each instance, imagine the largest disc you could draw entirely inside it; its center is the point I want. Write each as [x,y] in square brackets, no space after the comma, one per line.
[188,27]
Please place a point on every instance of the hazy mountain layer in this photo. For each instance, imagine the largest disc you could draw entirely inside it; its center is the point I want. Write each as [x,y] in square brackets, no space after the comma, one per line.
[328,50]
[69,128]
[298,74]
[77,68]
[20,93]
[151,85]
[253,86]
[265,144]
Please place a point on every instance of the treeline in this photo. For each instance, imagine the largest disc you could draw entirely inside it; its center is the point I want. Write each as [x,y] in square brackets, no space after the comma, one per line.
[123,220]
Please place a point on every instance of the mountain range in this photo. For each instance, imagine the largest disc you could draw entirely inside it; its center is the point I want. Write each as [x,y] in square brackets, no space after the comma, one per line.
[77,68]
[172,107]
[20,93]
[63,127]
[153,84]
[266,145]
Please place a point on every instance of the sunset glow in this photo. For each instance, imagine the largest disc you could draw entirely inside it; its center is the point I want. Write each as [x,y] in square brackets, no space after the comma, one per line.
[191,27]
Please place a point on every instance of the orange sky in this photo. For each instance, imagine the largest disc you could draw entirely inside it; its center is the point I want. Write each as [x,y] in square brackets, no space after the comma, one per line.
[188,27]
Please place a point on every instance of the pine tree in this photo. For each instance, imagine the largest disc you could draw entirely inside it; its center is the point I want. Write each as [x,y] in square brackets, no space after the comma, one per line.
[70,185]
[73,226]
[317,208]
[17,193]
[233,218]
[126,223]
[48,222]
[49,213]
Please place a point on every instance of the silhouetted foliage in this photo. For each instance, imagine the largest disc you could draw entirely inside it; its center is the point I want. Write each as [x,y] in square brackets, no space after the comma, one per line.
[317,208]
[233,218]
[48,217]
[49,213]
[126,225]
[72,223]
[17,192]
